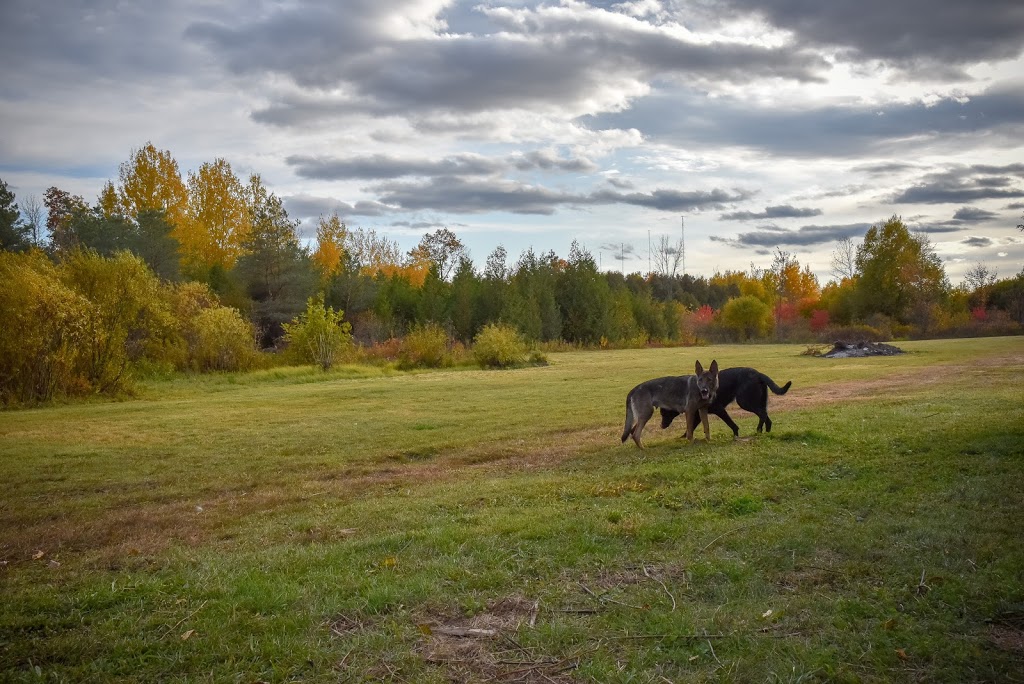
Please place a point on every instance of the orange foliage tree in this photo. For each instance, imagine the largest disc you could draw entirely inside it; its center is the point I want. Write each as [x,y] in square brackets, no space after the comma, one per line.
[331,234]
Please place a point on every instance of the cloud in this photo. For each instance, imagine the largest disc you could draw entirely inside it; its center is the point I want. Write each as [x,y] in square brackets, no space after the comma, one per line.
[380,166]
[977,241]
[471,196]
[397,58]
[779,211]
[961,184]
[806,236]
[973,215]
[670,200]
[939,34]
[690,118]
[308,206]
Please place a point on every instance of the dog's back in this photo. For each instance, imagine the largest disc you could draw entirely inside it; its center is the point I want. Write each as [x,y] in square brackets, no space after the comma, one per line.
[748,387]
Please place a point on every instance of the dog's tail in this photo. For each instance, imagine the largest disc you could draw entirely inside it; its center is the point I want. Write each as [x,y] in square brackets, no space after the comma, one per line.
[630,417]
[773,387]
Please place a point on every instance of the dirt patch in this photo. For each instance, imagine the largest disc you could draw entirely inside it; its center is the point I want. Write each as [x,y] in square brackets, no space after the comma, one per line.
[483,647]
[1007,638]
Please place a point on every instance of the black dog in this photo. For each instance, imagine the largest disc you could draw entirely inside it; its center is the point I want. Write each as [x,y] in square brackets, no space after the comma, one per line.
[748,387]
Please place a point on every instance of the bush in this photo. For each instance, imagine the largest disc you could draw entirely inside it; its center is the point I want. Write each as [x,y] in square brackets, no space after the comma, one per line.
[499,346]
[320,336]
[42,324]
[852,334]
[747,317]
[125,313]
[425,346]
[224,341]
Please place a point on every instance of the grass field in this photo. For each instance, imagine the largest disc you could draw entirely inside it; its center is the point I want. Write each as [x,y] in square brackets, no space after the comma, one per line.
[488,526]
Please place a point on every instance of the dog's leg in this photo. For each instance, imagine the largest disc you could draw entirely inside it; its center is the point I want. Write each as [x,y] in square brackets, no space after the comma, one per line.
[691,424]
[643,414]
[727,419]
[707,427]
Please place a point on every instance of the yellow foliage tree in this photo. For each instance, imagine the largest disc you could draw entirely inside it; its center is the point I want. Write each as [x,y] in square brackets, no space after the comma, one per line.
[218,220]
[150,180]
[109,203]
[331,235]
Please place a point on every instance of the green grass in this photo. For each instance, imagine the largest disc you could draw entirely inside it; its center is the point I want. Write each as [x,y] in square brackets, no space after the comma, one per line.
[293,526]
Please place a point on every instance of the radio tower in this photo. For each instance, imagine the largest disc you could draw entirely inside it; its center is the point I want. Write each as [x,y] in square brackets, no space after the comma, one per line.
[682,242]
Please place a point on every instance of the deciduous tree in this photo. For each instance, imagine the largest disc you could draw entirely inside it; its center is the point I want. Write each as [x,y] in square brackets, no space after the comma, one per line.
[331,236]
[898,273]
[150,180]
[441,248]
[218,221]
[61,209]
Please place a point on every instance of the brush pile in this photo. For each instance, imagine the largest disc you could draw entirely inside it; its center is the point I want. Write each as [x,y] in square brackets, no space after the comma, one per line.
[848,350]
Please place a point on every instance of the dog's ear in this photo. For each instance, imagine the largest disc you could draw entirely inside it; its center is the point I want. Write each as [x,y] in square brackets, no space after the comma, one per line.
[699,368]
[714,367]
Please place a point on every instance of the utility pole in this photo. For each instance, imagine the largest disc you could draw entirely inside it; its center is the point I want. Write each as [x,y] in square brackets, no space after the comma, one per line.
[682,241]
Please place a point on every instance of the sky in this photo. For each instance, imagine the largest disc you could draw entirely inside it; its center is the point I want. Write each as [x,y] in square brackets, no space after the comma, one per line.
[747,127]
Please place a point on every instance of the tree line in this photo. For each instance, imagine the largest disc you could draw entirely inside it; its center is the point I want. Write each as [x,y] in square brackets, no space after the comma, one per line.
[234,240]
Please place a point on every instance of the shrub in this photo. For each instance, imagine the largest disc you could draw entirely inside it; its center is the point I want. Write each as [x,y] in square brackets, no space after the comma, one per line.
[41,326]
[499,346]
[851,334]
[747,317]
[224,341]
[125,313]
[320,336]
[425,346]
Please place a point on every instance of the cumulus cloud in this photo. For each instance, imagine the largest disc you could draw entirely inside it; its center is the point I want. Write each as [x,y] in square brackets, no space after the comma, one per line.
[914,34]
[973,215]
[473,195]
[977,241]
[805,236]
[961,184]
[688,118]
[778,211]
[308,206]
[574,58]
[381,166]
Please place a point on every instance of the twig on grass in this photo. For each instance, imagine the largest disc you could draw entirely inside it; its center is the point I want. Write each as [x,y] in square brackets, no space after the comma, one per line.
[190,615]
[670,636]
[662,585]
[922,588]
[604,598]
[713,652]
[724,534]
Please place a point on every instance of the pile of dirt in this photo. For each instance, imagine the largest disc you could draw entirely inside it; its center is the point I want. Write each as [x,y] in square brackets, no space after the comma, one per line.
[848,350]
